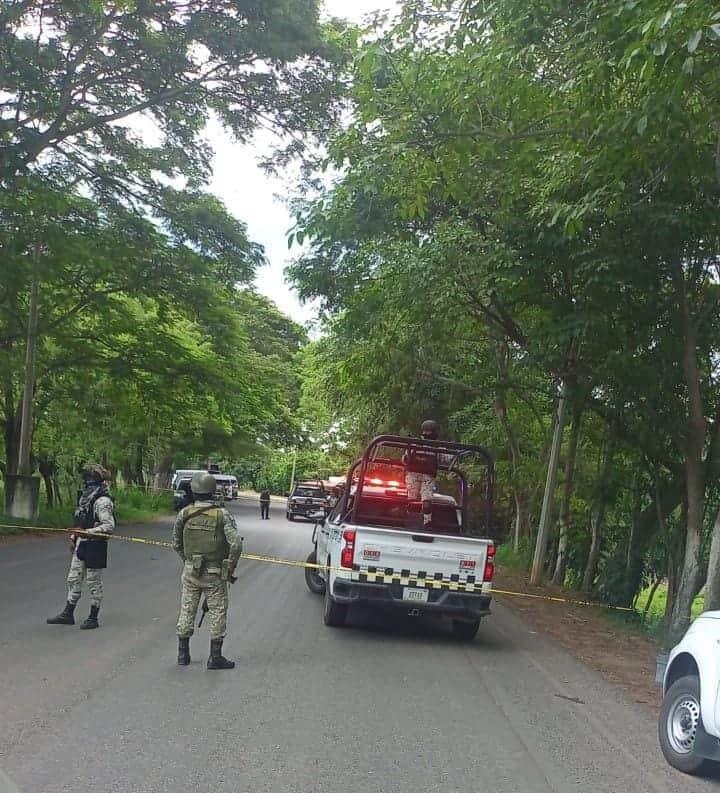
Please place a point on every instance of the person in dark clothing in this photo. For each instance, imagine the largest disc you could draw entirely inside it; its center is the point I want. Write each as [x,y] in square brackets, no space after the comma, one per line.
[264,504]
[421,466]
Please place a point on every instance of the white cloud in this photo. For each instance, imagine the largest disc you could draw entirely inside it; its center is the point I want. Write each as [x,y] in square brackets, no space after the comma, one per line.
[254,197]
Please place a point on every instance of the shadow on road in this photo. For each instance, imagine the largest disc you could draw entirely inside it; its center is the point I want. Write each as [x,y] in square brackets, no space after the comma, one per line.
[420,630]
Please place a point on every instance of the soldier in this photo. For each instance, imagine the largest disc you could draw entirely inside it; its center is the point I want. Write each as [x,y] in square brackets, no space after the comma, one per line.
[264,504]
[95,517]
[421,467]
[207,540]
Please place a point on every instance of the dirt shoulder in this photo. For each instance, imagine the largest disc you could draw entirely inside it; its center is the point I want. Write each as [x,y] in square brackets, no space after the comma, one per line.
[623,657]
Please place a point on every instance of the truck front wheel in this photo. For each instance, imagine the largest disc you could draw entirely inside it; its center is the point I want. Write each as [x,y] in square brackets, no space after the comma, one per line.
[678,725]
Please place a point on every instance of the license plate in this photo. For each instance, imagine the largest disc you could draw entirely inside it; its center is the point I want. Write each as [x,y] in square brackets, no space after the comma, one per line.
[415,595]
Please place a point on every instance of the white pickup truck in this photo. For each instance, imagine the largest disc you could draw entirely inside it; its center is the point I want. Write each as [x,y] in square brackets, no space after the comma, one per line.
[689,723]
[374,548]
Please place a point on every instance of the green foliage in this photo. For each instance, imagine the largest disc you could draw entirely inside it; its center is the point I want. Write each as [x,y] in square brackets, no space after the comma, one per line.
[528,195]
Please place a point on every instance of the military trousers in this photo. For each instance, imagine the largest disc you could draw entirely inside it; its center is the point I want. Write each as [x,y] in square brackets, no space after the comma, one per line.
[80,574]
[194,587]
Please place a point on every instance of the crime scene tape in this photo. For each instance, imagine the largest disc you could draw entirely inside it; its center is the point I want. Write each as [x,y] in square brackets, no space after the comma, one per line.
[297,563]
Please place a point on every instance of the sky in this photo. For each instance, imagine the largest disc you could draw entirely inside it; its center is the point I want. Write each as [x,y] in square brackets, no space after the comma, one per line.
[256,199]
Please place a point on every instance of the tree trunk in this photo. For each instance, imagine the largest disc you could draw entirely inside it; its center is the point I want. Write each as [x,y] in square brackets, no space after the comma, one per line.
[651,597]
[520,497]
[26,422]
[691,571]
[11,428]
[163,469]
[712,586]
[521,525]
[568,485]
[597,518]
[545,515]
[139,463]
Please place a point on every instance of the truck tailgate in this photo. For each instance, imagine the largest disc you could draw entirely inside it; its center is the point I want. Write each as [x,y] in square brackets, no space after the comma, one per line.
[421,559]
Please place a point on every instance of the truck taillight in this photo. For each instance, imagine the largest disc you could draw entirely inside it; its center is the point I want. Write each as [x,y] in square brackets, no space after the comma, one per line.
[348,552]
[489,564]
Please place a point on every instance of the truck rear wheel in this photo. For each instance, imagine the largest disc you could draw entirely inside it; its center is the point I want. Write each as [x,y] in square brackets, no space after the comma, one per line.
[314,583]
[334,614]
[465,629]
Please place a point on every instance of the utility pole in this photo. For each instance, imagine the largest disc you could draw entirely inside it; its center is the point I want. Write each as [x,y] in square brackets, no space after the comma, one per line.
[548,498]
[26,420]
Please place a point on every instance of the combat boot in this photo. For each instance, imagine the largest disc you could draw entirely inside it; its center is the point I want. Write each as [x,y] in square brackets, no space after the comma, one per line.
[216,659]
[92,620]
[65,617]
[183,650]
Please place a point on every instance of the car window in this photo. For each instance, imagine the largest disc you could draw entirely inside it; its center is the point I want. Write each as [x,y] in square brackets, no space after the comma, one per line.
[308,492]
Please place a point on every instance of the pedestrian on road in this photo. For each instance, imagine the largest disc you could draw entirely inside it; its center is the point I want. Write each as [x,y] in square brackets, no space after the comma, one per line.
[421,466]
[95,516]
[264,504]
[207,540]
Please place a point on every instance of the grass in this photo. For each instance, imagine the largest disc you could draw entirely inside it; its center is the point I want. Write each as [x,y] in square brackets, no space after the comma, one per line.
[650,624]
[132,505]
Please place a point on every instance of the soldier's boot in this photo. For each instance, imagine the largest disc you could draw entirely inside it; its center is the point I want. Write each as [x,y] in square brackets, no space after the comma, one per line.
[92,619]
[216,659]
[183,650]
[65,617]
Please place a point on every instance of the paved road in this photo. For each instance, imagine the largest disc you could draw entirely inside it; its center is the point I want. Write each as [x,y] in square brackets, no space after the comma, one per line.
[379,706]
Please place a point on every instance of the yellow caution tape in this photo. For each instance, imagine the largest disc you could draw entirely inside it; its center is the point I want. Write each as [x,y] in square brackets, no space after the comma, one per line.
[257,557]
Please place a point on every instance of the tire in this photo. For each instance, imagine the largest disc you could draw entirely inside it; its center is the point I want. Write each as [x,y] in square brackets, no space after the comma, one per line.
[465,630]
[334,614]
[289,516]
[677,726]
[314,583]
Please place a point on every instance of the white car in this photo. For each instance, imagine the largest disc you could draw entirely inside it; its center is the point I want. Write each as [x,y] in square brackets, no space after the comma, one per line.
[689,725]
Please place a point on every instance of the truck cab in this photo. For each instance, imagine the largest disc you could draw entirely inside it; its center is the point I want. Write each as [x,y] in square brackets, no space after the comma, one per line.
[375,549]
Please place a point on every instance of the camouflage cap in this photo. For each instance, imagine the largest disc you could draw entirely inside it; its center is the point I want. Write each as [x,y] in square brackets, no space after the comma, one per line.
[96,471]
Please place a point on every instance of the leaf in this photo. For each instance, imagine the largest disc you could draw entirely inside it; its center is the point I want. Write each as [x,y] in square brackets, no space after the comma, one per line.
[660,47]
[689,65]
[290,240]
[693,41]
[716,30]
[667,16]
[642,125]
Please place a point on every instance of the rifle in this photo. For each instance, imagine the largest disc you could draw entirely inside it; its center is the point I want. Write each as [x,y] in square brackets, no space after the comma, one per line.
[205,609]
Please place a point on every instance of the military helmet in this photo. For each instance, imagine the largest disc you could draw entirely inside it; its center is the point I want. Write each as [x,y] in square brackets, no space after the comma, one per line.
[429,429]
[203,484]
[95,472]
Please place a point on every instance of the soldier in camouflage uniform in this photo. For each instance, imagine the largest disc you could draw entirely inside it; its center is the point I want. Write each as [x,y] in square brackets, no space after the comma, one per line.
[207,540]
[421,466]
[95,517]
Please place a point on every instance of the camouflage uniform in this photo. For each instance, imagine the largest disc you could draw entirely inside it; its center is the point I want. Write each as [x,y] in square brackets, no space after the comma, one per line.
[79,571]
[210,579]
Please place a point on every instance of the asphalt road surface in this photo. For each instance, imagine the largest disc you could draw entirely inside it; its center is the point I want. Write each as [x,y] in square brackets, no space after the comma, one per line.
[383,705]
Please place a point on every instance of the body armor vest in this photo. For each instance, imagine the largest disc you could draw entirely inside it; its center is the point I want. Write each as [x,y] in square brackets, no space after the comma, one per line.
[204,535]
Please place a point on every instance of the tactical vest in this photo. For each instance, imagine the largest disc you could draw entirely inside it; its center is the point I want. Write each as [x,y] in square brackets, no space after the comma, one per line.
[204,535]
[420,461]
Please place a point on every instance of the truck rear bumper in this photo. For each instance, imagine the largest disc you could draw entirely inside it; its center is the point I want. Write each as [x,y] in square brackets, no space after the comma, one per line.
[390,596]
